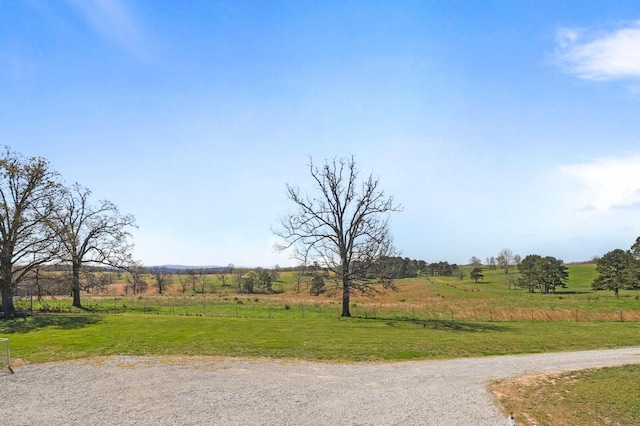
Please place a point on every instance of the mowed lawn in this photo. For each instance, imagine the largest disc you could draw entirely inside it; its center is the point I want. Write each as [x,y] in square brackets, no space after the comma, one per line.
[65,336]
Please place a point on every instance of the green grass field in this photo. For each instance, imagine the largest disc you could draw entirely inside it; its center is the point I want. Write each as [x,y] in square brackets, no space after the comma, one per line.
[427,318]
[68,336]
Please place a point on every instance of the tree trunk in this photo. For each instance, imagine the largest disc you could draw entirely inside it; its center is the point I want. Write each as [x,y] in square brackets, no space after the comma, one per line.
[75,285]
[6,289]
[346,297]
[8,310]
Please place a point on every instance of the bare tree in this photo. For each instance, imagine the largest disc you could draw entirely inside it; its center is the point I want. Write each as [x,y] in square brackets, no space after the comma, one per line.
[162,277]
[239,273]
[491,262]
[275,273]
[203,281]
[299,273]
[42,281]
[192,278]
[27,189]
[90,234]
[475,262]
[184,281]
[95,279]
[344,228]
[511,280]
[135,279]
[517,259]
[505,258]
[222,276]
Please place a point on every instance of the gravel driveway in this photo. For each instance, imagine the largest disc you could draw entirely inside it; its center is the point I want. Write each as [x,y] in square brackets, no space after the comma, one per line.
[126,390]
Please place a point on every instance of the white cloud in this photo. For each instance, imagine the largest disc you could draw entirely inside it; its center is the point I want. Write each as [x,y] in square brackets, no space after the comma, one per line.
[607,183]
[113,21]
[592,55]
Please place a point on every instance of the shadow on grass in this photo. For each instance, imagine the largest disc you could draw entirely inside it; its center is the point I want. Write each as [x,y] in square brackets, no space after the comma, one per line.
[44,321]
[469,327]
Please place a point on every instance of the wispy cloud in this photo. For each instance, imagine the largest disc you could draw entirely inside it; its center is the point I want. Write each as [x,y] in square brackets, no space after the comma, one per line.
[600,55]
[115,22]
[607,183]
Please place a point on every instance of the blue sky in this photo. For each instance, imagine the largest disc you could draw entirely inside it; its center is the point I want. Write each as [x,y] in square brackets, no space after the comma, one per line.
[496,124]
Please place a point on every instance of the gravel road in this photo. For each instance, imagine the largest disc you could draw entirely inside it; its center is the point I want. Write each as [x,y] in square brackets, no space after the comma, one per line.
[127,390]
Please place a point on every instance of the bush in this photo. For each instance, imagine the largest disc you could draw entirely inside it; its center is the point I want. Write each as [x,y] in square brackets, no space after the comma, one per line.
[317,285]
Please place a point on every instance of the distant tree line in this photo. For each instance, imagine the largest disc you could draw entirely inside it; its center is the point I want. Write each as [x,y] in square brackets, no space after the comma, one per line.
[404,267]
[53,280]
[536,273]
[443,269]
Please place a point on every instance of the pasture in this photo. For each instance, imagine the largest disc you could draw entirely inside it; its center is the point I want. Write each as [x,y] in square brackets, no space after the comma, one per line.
[426,318]
[424,298]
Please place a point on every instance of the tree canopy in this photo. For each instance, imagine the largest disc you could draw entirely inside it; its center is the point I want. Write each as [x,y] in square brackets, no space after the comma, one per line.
[544,273]
[44,223]
[27,198]
[476,274]
[90,234]
[617,271]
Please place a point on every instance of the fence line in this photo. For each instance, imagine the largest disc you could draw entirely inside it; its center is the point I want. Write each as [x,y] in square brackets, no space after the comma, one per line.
[251,308]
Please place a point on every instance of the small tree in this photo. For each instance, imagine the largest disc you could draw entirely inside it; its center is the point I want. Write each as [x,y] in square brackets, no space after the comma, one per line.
[475,262]
[552,274]
[476,274]
[162,277]
[183,280]
[516,260]
[239,273]
[299,274]
[222,276]
[317,285]
[275,273]
[200,279]
[135,278]
[546,273]
[249,281]
[95,279]
[529,272]
[504,259]
[266,280]
[511,280]
[491,263]
[616,271]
